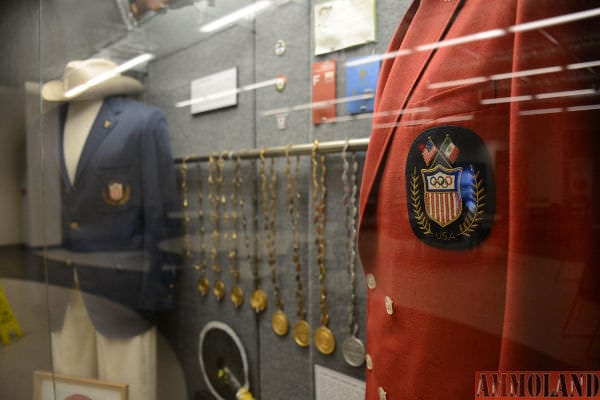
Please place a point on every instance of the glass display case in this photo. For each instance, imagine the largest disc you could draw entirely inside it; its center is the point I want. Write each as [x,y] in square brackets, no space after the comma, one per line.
[378,199]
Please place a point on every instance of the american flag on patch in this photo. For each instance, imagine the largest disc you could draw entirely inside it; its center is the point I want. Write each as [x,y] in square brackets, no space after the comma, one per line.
[429,151]
[449,149]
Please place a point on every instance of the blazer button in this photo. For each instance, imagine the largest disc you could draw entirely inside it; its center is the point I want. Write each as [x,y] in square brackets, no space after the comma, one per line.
[74,225]
[369,362]
[69,262]
[371,282]
[382,393]
[389,305]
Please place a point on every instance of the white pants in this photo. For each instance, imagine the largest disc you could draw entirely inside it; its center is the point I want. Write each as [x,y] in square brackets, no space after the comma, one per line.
[78,350]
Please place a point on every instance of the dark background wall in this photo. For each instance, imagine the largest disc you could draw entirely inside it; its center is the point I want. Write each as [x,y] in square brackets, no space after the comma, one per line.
[72,29]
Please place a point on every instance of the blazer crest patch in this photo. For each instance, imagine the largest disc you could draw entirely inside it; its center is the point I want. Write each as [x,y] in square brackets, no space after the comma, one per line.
[450,188]
[116,193]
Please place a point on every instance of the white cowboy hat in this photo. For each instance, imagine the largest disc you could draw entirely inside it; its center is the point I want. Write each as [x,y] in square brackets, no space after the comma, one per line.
[92,79]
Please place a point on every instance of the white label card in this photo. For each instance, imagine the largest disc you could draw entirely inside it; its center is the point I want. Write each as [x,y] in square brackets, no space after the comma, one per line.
[332,385]
[214,91]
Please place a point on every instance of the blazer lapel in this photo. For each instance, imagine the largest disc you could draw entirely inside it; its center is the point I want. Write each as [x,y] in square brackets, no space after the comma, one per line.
[105,122]
[62,118]
[398,78]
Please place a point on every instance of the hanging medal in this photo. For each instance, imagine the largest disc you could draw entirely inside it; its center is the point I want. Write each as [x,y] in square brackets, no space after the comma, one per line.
[186,205]
[324,338]
[202,285]
[279,321]
[237,294]
[217,199]
[353,348]
[187,252]
[301,327]
[258,299]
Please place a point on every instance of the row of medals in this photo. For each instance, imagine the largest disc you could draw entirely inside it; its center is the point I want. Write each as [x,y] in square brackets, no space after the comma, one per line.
[353,349]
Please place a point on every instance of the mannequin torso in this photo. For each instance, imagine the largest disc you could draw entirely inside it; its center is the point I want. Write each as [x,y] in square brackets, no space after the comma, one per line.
[80,117]
[115,150]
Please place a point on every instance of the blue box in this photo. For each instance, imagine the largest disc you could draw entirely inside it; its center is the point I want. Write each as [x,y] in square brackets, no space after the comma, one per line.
[361,79]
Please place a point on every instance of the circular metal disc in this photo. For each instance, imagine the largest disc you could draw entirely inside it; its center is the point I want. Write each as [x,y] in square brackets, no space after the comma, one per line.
[219,290]
[324,340]
[258,301]
[302,333]
[203,286]
[237,296]
[280,323]
[354,351]
[280,47]
[220,347]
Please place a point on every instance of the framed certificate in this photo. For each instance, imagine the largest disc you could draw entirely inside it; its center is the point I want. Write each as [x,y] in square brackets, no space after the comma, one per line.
[49,386]
[339,24]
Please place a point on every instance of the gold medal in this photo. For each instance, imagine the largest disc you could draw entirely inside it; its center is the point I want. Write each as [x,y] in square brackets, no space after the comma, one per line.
[250,253]
[215,194]
[301,327]
[302,333]
[237,296]
[219,290]
[279,322]
[258,301]
[324,340]
[203,286]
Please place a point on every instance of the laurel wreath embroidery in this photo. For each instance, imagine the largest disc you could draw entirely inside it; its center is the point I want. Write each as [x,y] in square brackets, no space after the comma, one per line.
[422,221]
[473,218]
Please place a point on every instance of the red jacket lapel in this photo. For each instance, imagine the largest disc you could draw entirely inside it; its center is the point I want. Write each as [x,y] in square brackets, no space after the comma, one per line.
[396,81]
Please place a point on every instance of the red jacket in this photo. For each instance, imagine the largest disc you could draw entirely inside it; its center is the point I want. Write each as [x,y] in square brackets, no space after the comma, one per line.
[479,229]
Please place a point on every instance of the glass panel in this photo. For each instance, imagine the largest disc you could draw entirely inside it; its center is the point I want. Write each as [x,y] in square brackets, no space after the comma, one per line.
[24,333]
[195,155]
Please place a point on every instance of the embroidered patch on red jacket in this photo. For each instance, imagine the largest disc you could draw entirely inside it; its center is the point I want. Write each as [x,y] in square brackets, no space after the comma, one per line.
[450,188]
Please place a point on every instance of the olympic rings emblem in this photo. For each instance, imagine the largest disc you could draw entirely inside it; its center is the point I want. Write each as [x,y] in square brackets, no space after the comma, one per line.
[441,182]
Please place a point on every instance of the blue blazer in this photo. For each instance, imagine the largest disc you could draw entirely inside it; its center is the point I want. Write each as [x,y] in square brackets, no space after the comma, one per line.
[123,190]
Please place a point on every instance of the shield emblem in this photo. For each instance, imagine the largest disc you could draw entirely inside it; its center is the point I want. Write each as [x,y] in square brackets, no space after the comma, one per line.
[443,202]
[115,191]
